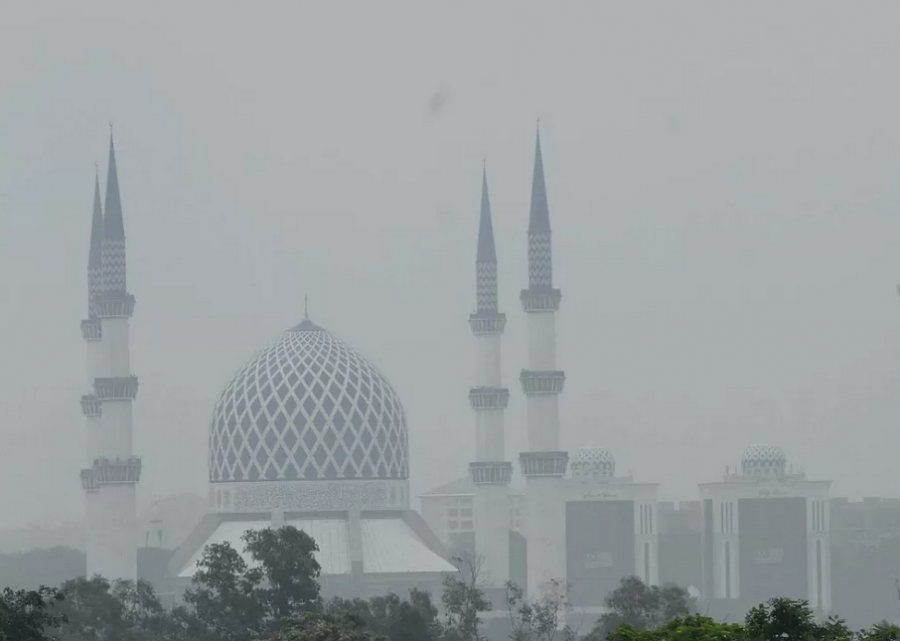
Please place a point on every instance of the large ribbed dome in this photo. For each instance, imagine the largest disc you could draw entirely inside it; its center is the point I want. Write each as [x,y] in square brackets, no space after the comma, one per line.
[307,408]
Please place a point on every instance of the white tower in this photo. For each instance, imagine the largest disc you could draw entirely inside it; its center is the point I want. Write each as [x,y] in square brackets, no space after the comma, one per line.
[544,465]
[490,472]
[109,482]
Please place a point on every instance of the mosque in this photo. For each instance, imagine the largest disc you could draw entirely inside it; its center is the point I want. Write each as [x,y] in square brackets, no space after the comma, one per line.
[309,433]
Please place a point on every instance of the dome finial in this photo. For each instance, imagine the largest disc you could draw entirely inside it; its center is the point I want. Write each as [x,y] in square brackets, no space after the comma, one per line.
[305,307]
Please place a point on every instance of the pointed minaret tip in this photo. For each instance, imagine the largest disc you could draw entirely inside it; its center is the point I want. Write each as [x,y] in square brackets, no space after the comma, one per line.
[113,225]
[96,223]
[539,218]
[487,252]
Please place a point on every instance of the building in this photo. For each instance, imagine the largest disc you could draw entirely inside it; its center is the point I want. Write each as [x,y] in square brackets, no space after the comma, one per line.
[586,527]
[309,433]
[611,528]
[112,471]
[766,532]
[490,472]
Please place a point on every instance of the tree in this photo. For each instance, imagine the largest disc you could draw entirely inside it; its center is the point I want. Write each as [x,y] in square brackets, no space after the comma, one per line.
[642,607]
[415,619]
[95,609]
[315,626]
[233,601]
[882,631]
[792,620]
[690,628]
[464,599]
[286,557]
[25,614]
[542,620]
[223,602]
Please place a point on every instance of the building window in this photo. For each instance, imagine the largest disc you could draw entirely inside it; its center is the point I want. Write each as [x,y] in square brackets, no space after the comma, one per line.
[459,514]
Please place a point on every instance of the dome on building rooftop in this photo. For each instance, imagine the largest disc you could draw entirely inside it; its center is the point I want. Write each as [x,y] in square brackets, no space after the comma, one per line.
[592,462]
[307,408]
[763,460]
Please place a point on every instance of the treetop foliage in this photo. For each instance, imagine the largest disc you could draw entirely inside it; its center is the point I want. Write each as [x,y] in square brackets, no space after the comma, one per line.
[276,597]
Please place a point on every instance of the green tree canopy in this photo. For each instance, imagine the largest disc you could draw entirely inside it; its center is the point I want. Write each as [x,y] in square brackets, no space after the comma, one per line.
[642,607]
[231,600]
[317,626]
[26,614]
[415,619]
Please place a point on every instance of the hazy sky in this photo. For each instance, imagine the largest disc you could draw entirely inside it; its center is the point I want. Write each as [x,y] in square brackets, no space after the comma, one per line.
[724,186]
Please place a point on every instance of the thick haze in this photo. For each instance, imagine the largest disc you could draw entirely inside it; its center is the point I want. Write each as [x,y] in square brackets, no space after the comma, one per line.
[724,185]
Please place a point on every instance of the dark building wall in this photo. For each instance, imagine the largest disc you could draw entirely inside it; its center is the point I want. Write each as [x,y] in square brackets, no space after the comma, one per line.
[773,548]
[599,548]
[680,559]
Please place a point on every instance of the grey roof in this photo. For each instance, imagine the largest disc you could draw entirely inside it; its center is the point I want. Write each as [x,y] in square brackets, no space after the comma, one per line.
[113,226]
[96,227]
[539,220]
[461,487]
[487,252]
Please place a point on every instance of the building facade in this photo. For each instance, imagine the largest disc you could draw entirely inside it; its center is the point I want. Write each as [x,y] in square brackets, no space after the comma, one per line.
[766,532]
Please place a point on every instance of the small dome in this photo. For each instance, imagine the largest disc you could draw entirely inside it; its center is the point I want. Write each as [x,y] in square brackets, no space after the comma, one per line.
[763,460]
[592,463]
[307,408]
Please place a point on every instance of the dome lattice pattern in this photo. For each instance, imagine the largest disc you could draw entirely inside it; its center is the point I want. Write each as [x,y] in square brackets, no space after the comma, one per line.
[308,408]
[763,460]
[592,462]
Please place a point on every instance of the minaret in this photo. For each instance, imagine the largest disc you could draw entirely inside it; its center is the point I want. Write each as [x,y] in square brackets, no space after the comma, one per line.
[110,480]
[490,472]
[543,465]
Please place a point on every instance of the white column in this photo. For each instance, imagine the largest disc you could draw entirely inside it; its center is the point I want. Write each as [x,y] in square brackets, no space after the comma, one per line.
[545,527]
[489,471]
[113,553]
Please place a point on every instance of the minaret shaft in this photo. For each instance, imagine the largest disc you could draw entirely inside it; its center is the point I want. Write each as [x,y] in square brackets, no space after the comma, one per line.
[544,465]
[112,471]
[490,472]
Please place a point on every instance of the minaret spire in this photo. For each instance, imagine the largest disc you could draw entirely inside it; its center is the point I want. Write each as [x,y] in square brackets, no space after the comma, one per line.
[544,464]
[113,244]
[486,257]
[540,255]
[94,264]
[490,471]
[112,470]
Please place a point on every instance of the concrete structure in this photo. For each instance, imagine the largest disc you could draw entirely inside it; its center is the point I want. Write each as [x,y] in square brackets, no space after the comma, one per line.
[611,527]
[544,465]
[490,471]
[767,532]
[308,433]
[113,471]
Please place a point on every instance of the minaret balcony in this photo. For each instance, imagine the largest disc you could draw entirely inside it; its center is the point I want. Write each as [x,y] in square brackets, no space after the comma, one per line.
[490,472]
[552,464]
[90,329]
[88,484]
[488,398]
[123,388]
[483,323]
[536,300]
[90,406]
[115,305]
[536,383]
[117,471]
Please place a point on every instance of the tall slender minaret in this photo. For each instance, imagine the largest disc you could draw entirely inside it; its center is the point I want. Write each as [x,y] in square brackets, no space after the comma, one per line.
[544,465]
[490,472]
[109,482]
